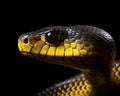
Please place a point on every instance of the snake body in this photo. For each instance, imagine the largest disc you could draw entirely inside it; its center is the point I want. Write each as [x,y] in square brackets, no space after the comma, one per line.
[89,49]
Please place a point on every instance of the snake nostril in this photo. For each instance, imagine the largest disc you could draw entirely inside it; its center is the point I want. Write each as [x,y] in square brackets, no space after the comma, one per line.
[25,41]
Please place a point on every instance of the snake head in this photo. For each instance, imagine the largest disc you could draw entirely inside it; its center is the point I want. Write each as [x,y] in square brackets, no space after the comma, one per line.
[80,47]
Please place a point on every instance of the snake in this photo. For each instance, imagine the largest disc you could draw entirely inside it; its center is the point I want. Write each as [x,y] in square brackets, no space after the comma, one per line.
[88,49]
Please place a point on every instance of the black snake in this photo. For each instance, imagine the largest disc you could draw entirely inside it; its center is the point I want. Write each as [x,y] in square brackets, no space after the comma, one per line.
[88,49]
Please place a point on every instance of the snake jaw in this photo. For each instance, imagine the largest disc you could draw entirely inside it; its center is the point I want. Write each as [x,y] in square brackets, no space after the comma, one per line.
[78,46]
[35,44]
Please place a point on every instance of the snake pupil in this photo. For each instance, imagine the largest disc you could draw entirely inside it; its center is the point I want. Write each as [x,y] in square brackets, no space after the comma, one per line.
[25,41]
[51,38]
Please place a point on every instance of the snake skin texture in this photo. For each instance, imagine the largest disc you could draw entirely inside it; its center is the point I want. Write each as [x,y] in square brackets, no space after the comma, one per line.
[89,49]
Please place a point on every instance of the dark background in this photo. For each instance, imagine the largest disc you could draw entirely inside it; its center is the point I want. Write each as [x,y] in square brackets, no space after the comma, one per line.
[25,76]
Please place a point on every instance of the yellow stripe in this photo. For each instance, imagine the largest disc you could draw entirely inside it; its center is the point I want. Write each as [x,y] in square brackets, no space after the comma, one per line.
[43,38]
[37,47]
[51,51]
[76,52]
[60,51]
[26,48]
[66,46]
[83,52]
[44,50]
[19,46]
[80,46]
[68,52]
[73,45]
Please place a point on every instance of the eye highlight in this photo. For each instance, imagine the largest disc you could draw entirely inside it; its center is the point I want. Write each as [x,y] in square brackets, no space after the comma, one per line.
[51,37]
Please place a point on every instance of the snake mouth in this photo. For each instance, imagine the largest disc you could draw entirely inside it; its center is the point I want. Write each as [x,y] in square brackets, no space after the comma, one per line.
[71,62]
[65,55]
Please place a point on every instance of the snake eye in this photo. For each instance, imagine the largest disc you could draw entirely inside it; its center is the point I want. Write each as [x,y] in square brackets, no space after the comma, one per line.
[51,37]
[25,41]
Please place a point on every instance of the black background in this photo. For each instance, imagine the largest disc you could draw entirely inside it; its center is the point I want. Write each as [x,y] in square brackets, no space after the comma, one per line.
[25,76]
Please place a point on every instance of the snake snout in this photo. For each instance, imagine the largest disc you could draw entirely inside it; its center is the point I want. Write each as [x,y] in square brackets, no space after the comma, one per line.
[25,42]
[24,36]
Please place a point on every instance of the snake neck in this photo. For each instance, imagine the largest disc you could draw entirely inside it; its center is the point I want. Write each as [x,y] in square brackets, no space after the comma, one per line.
[101,81]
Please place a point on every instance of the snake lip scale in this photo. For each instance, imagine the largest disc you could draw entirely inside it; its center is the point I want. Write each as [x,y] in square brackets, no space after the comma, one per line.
[89,49]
